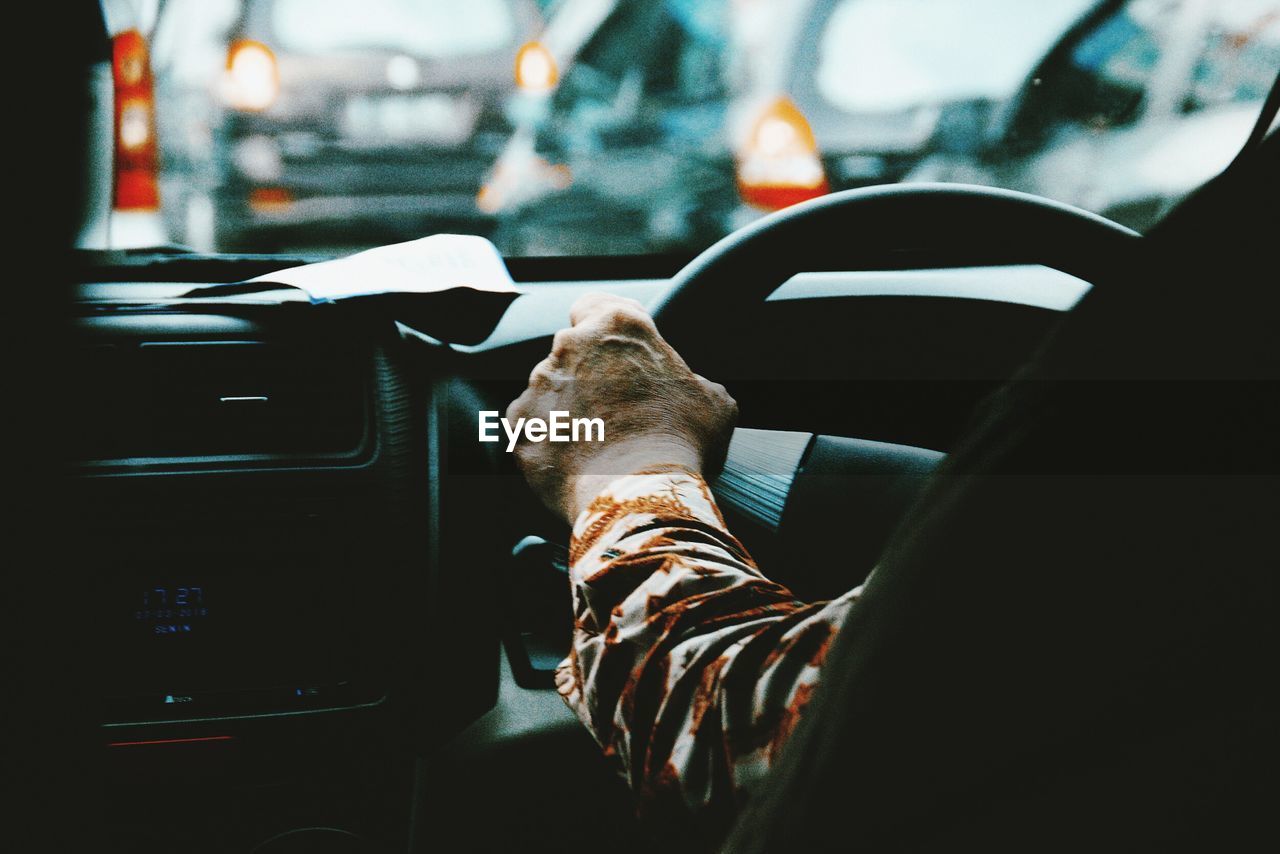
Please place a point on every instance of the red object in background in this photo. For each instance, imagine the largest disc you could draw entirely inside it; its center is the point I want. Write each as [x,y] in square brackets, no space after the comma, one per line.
[136,158]
[155,741]
[174,760]
[270,198]
[780,164]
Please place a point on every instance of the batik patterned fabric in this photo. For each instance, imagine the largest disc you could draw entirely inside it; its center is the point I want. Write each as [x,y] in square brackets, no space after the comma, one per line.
[689,667]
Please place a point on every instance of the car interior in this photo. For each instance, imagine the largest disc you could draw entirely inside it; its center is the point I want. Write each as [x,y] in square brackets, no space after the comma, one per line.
[310,560]
[326,617]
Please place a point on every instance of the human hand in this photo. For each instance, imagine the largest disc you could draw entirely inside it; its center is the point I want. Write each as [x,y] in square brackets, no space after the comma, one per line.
[612,364]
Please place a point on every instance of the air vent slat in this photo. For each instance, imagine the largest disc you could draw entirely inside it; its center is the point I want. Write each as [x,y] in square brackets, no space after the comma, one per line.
[176,400]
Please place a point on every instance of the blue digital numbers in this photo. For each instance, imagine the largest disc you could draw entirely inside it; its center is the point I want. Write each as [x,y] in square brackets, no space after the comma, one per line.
[172,609]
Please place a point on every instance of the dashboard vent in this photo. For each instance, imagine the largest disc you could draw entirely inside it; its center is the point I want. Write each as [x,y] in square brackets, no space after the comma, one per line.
[220,400]
[758,473]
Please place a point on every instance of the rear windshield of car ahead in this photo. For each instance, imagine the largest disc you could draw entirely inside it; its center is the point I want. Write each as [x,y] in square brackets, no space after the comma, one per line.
[675,50]
[888,55]
[424,28]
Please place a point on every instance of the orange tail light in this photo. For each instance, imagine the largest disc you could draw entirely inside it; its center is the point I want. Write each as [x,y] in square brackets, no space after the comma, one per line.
[780,164]
[252,80]
[536,69]
[136,158]
[270,199]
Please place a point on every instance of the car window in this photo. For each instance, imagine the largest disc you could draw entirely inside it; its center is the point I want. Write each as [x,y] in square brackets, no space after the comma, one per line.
[673,50]
[607,58]
[424,28]
[1240,57]
[881,55]
[689,57]
[190,39]
[1101,81]
[654,75]
[609,127]
[1114,65]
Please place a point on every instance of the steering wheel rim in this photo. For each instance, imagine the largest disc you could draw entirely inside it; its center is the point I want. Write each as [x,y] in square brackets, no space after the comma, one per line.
[919,224]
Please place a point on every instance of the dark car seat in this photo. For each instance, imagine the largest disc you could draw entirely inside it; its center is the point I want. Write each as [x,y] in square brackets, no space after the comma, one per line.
[1069,645]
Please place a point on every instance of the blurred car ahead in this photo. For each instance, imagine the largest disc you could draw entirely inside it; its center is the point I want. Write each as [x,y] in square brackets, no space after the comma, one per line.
[520,174]
[631,155]
[122,204]
[1133,110]
[679,120]
[374,120]
[570,25]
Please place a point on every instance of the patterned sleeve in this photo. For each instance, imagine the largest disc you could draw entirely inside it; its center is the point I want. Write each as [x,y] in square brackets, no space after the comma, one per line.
[688,666]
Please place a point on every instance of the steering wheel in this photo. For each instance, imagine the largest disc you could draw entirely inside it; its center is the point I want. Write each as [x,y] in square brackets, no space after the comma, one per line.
[910,226]
[899,226]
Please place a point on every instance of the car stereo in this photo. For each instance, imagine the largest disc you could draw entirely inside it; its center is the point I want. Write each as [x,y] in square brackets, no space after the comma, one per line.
[226,630]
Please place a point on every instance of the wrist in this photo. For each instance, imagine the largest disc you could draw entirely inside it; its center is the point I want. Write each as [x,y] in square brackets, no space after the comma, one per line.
[629,456]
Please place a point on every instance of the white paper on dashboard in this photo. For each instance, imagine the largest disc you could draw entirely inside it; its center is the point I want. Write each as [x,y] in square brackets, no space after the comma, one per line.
[432,264]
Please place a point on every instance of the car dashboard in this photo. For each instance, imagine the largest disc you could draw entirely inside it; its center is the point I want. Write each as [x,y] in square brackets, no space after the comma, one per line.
[302,559]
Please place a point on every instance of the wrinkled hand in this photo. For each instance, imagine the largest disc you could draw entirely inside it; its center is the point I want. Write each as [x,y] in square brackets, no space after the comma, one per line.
[612,364]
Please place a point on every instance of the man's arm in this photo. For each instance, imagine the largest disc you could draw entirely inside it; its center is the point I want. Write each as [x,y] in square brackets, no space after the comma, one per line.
[689,667]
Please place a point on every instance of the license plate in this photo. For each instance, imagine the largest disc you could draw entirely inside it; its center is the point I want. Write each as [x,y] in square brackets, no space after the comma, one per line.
[435,118]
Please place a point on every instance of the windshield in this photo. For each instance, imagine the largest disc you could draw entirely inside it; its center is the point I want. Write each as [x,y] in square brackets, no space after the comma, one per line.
[426,28]
[896,54]
[618,127]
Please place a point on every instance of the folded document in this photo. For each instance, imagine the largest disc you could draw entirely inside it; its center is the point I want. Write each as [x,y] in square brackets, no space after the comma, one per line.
[454,287]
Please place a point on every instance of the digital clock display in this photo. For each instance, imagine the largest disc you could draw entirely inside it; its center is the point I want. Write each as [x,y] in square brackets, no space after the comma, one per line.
[191,622]
[172,610]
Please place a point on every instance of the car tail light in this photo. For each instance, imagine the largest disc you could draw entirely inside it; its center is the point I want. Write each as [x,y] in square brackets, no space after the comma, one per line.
[252,80]
[270,199]
[780,164]
[516,180]
[536,69]
[135,187]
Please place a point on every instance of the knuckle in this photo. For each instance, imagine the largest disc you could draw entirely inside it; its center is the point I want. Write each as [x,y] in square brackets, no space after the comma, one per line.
[633,304]
[517,406]
[625,318]
[540,376]
[715,389]
[588,304]
[563,343]
[722,400]
[604,306]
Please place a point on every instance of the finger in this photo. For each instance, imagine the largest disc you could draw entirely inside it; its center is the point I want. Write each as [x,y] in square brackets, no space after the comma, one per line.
[712,386]
[591,306]
[520,407]
[717,391]
[563,346]
[627,320]
[531,403]
[542,375]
